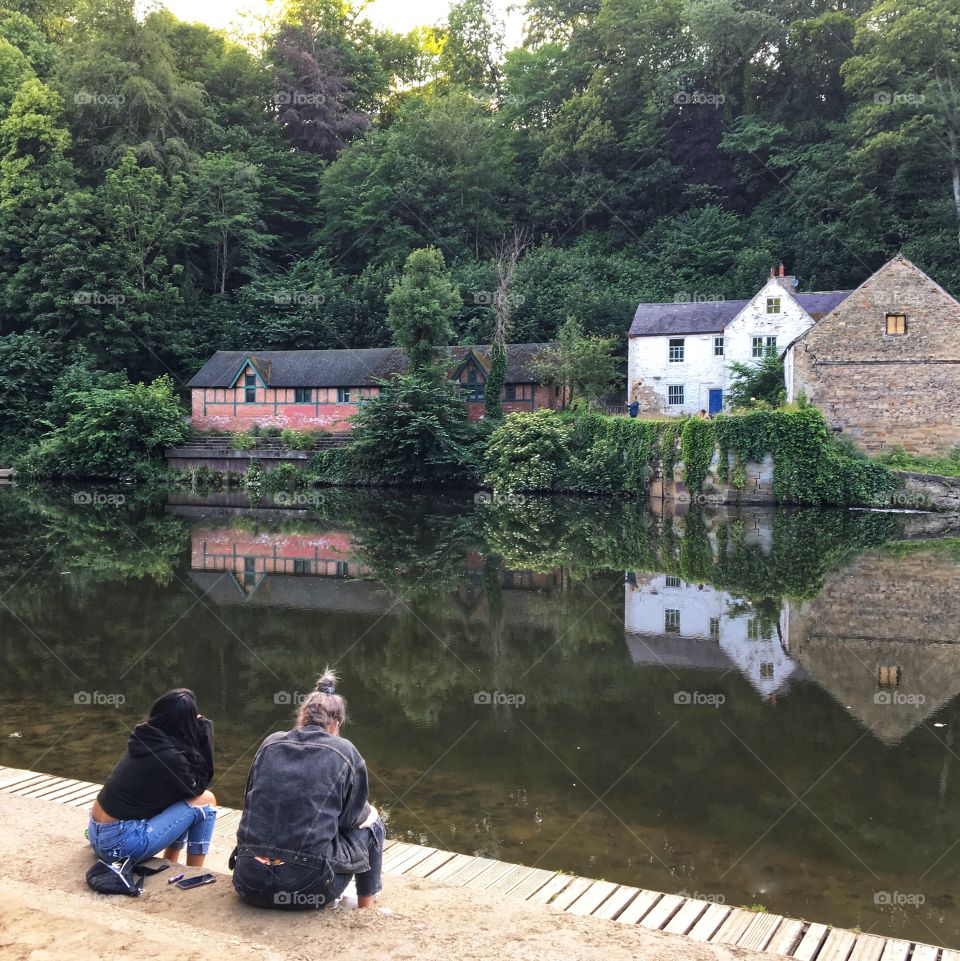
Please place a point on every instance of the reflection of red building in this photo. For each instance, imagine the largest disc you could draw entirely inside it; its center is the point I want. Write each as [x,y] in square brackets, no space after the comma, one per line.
[322,389]
[251,555]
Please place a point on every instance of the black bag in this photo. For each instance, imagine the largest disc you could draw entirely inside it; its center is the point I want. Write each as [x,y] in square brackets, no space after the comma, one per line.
[120,877]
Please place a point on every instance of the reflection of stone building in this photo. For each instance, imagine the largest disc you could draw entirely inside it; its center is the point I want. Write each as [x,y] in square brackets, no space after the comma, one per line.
[883,638]
[675,623]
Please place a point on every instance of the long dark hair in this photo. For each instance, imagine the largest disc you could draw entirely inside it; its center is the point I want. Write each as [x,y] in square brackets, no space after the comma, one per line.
[175,713]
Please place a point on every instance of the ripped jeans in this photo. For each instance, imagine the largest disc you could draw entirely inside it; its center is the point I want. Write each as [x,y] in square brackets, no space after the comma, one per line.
[140,840]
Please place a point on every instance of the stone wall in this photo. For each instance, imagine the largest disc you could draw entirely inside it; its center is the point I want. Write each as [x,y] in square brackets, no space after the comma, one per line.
[883,390]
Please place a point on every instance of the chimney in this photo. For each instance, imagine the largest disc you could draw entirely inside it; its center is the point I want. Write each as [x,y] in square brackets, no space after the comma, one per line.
[783,278]
[781,269]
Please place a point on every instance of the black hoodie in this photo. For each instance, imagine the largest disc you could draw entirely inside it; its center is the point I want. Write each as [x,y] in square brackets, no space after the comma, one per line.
[154,773]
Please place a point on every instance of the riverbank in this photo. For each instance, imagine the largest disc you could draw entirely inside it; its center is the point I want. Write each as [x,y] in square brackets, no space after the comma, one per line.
[46,910]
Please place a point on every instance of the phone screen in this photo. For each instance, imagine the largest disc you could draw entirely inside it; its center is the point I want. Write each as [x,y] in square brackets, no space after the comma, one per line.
[188,883]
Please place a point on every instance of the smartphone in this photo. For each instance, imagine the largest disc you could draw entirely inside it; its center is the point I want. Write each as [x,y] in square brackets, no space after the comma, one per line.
[188,883]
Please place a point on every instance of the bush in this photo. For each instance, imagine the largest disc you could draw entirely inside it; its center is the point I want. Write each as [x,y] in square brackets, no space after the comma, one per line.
[297,439]
[285,477]
[111,432]
[529,452]
[243,441]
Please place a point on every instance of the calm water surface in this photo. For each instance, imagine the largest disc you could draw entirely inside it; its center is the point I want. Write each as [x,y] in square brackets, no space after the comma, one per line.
[758,707]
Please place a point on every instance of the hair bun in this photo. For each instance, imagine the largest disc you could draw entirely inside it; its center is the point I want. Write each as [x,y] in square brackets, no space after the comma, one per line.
[327,682]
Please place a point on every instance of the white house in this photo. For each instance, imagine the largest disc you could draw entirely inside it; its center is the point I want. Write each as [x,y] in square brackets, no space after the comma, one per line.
[680,353]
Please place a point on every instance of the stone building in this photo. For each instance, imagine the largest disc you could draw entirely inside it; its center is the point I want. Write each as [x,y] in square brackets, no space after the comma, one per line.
[680,353]
[884,365]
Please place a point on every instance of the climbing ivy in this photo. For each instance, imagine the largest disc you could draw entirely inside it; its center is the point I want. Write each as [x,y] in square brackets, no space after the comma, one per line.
[697,444]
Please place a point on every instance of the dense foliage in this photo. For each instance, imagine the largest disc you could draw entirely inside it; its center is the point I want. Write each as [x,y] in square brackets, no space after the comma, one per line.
[166,190]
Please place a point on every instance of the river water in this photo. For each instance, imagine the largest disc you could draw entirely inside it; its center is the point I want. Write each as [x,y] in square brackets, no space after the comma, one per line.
[755,707]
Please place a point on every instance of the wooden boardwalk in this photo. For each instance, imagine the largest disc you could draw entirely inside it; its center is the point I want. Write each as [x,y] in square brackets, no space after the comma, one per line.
[620,903]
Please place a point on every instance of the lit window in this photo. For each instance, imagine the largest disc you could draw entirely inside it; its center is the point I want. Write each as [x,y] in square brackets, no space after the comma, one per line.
[717,346]
[896,324]
[675,395]
[676,349]
[303,395]
[773,305]
[343,395]
[888,676]
[671,621]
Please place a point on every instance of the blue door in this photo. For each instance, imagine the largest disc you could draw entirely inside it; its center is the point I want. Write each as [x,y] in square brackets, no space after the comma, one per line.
[716,401]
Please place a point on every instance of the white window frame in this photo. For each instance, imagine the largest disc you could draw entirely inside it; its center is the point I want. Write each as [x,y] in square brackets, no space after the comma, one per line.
[671,388]
[676,349]
[773,305]
[718,346]
[757,349]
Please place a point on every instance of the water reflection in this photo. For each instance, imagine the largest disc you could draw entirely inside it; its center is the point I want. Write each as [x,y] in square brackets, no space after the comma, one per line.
[820,632]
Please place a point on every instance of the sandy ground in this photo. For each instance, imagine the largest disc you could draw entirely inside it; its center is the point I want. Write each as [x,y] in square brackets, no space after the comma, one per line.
[47,912]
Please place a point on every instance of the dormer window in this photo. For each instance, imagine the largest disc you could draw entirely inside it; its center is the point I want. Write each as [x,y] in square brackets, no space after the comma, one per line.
[896,325]
[773,305]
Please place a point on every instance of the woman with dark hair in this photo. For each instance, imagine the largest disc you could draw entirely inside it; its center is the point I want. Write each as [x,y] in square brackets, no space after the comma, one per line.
[156,797]
[307,826]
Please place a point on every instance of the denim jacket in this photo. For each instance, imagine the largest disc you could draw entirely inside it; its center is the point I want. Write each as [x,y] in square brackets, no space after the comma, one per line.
[305,796]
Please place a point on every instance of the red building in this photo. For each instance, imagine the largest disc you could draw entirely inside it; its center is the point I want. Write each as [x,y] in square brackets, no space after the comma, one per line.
[322,389]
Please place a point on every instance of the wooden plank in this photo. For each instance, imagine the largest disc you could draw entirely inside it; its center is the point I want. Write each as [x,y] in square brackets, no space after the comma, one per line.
[469,871]
[525,889]
[570,893]
[411,858]
[506,881]
[87,794]
[869,947]
[490,875]
[430,864]
[451,867]
[710,922]
[38,783]
[57,793]
[662,911]
[552,888]
[687,916]
[734,927]
[895,950]
[949,955]
[82,800]
[39,789]
[231,821]
[838,945]
[398,854]
[925,952]
[761,932]
[639,907]
[810,942]
[592,898]
[786,937]
[617,901]
[22,780]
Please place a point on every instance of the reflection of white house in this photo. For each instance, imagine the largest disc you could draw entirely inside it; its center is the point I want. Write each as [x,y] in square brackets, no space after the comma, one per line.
[679,624]
[680,353]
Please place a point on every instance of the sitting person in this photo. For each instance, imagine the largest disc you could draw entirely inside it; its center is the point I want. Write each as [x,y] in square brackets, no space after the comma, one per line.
[307,826]
[156,797]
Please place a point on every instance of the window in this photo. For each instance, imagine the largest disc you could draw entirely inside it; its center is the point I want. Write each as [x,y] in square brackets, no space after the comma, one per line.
[756,631]
[250,388]
[343,395]
[888,676]
[714,626]
[766,669]
[671,621]
[473,393]
[669,581]
[896,324]
[675,395]
[249,571]
[762,344]
[303,395]
[510,392]
[343,568]
[773,305]
[717,346]
[302,566]
[676,349]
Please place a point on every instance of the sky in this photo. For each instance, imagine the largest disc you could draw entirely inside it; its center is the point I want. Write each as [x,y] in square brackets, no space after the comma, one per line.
[399,15]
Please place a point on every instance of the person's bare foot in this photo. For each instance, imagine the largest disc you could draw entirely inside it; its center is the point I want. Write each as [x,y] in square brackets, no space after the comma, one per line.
[367,901]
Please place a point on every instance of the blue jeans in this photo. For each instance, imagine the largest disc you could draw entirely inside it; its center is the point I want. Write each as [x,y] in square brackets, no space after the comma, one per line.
[143,839]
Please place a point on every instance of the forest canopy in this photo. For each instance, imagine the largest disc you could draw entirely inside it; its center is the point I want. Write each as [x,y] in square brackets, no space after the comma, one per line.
[167,190]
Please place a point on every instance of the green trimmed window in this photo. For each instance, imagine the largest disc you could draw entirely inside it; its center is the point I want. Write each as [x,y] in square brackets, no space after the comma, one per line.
[303,395]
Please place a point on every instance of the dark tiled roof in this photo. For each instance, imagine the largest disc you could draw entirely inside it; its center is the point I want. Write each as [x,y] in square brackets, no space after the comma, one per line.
[347,368]
[711,317]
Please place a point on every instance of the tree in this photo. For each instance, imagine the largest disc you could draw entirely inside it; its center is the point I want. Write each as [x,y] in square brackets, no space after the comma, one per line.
[582,364]
[420,307]
[473,46]
[761,382]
